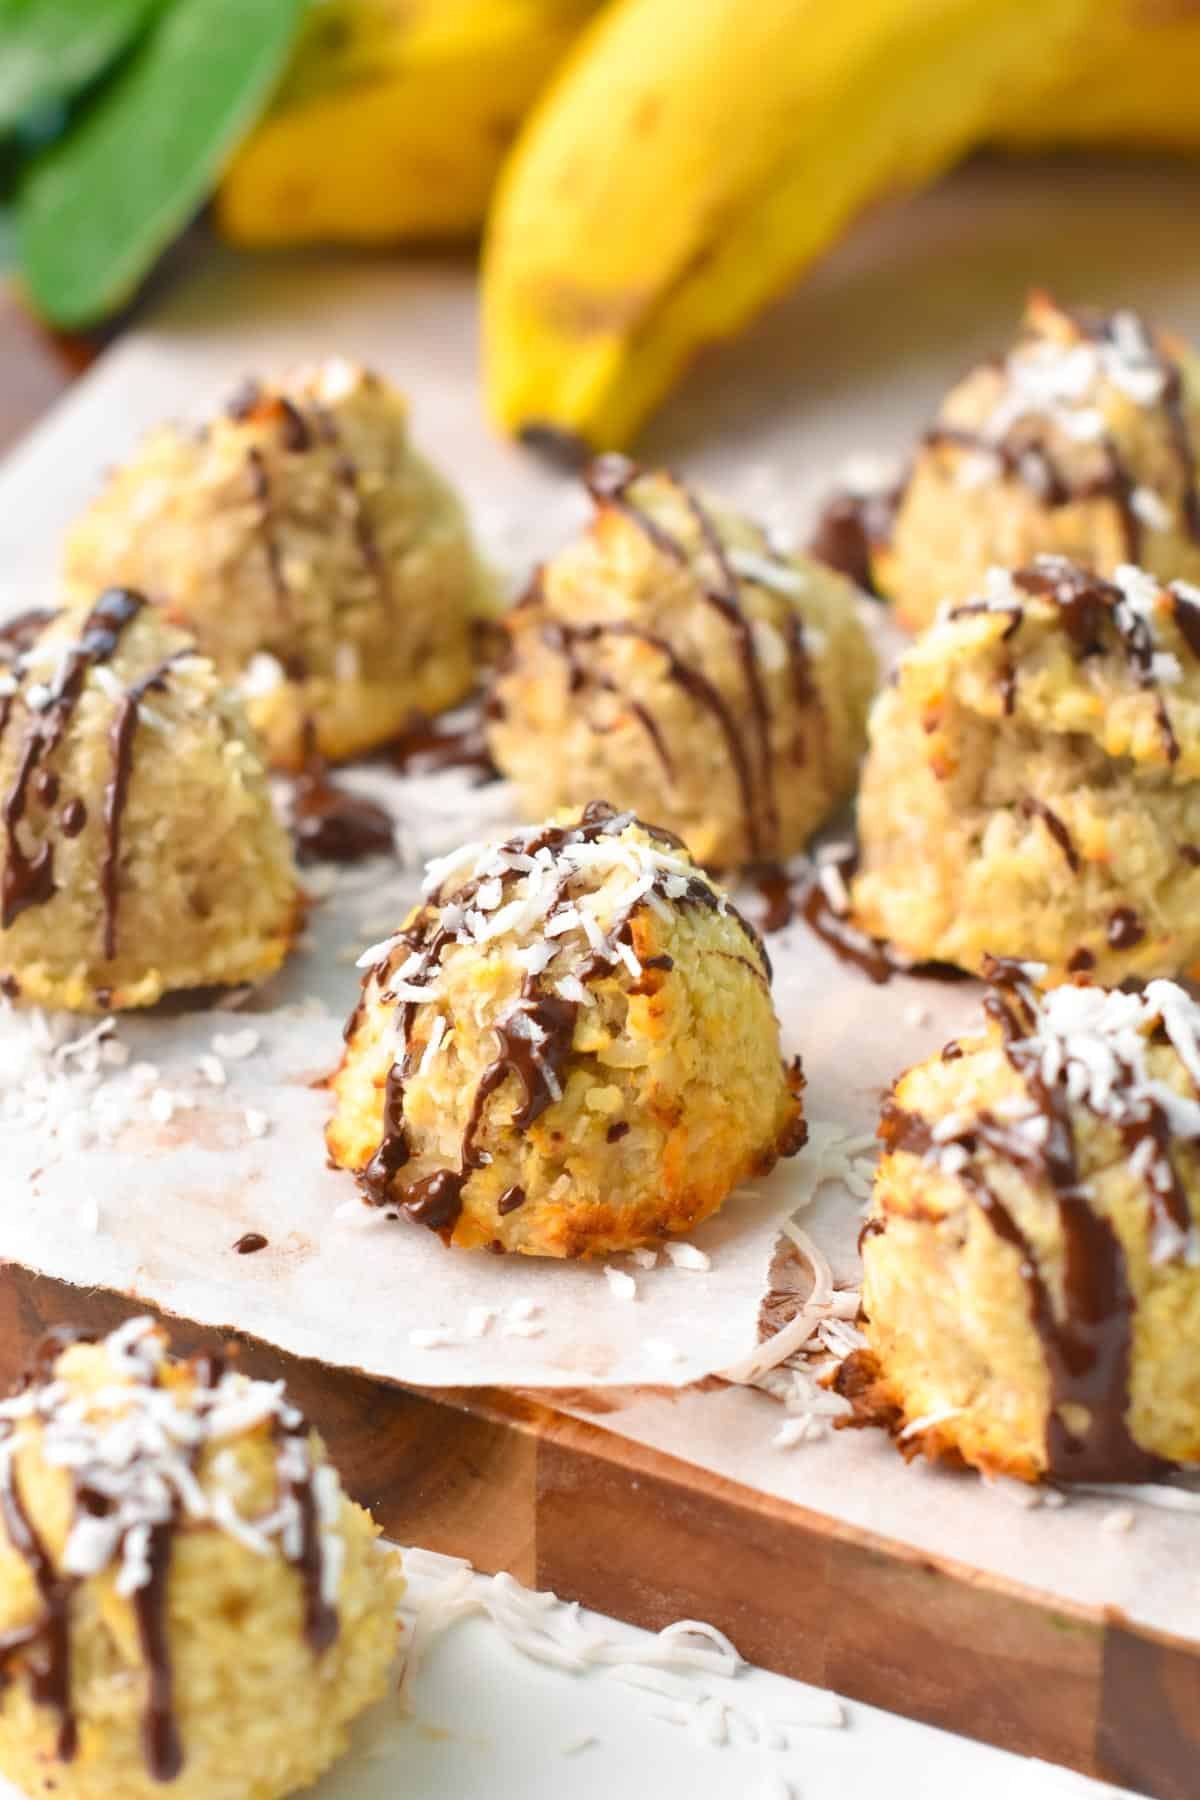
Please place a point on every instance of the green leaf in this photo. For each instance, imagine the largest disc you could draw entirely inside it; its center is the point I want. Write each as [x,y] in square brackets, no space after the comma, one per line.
[96,209]
[49,49]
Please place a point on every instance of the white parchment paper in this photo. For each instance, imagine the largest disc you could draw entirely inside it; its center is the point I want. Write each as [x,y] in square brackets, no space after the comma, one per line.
[855,360]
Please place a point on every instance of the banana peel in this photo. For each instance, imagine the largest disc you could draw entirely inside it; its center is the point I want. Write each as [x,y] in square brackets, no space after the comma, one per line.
[393,120]
[688,162]
[1135,90]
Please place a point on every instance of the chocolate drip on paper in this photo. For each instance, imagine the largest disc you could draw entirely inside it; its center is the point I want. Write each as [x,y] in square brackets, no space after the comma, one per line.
[329,822]
[429,745]
[851,527]
[873,957]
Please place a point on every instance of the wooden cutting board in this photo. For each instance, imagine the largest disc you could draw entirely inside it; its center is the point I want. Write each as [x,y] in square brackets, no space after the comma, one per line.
[509,1482]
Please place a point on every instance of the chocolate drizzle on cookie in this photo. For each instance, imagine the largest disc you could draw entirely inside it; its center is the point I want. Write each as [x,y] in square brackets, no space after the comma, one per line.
[28,877]
[1037,809]
[1124,353]
[133,1458]
[613,482]
[331,823]
[1098,617]
[300,431]
[121,736]
[538,879]
[456,741]
[1079,1046]
[346,472]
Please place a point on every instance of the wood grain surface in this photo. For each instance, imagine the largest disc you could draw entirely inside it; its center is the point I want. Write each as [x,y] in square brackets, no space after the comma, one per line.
[509,1483]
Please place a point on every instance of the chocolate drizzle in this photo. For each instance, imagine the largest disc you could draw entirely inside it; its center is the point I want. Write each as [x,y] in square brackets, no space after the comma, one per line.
[582,674]
[1037,809]
[49,1640]
[44,1646]
[696,685]
[161,1743]
[851,527]
[1087,1348]
[874,957]
[320,1618]
[260,490]
[610,481]
[1090,609]
[346,471]
[1022,453]
[28,878]
[117,793]
[775,890]
[430,745]
[534,1037]
[329,822]
[1125,929]
[1087,1341]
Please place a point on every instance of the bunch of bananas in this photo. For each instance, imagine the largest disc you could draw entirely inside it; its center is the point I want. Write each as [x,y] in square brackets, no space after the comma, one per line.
[676,162]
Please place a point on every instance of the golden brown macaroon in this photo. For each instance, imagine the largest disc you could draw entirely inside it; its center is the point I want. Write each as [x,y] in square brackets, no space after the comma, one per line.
[1033,784]
[1031,1284]
[672,660]
[187,1596]
[569,1049]
[318,559]
[1081,442]
[139,850]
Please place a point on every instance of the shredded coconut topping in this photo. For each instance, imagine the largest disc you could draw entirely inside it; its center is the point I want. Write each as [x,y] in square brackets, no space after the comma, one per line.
[1059,382]
[566,902]
[133,1448]
[1095,1043]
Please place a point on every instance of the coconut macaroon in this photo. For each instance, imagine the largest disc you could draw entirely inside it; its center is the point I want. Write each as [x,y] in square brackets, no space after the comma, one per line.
[569,1049]
[1081,442]
[319,560]
[186,1594]
[672,660]
[139,850]
[1031,1278]
[1032,785]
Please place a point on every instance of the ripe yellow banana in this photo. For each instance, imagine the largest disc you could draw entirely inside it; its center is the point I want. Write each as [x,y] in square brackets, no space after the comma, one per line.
[1135,90]
[394,119]
[689,160]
